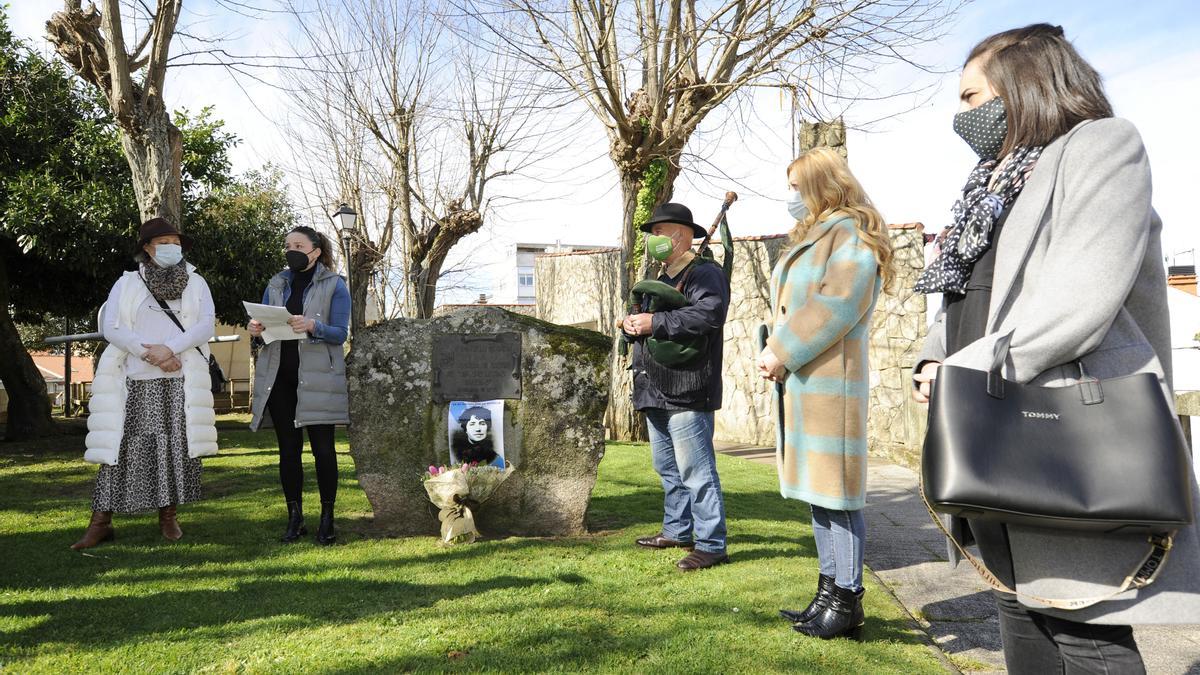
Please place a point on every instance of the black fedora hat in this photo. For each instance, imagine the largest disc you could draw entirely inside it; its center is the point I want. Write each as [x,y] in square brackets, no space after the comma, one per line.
[157,227]
[674,213]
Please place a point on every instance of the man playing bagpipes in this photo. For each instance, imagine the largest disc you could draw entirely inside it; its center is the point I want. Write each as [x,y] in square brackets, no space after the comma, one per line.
[675,327]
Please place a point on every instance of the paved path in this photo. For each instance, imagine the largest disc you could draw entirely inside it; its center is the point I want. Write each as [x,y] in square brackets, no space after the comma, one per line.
[907,553]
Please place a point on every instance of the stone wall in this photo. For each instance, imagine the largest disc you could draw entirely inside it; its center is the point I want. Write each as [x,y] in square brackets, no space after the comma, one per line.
[525,309]
[896,423]
[745,415]
[579,289]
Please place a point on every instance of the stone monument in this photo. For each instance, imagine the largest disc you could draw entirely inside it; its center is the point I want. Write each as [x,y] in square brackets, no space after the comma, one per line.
[553,381]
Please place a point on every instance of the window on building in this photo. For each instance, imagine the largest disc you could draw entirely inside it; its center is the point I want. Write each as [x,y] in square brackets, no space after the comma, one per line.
[525,277]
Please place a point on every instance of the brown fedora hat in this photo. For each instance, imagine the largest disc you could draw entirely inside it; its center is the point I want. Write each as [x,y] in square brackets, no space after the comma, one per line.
[157,227]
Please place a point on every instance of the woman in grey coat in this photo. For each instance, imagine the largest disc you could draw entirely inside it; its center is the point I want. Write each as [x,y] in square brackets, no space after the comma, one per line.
[1054,241]
[301,384]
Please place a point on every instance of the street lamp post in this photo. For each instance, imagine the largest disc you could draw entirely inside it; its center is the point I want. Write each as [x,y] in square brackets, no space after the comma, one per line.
[344,220]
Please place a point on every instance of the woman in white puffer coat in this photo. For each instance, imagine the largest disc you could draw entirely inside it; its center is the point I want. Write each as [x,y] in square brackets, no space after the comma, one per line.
[151,412]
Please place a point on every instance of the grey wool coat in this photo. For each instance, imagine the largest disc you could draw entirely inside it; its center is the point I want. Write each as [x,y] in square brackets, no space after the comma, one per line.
[321,396]
[1079,275]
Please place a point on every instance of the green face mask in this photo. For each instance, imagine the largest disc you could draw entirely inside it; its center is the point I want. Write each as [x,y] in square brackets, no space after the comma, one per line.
[659,246]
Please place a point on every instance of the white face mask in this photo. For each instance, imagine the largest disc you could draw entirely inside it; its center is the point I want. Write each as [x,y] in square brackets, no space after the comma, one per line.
[796,206]
[167,255]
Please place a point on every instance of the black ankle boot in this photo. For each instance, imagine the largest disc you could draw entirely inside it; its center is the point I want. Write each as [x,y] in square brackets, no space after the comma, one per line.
[843,617]
[819,602]
[325,533]
[295,524]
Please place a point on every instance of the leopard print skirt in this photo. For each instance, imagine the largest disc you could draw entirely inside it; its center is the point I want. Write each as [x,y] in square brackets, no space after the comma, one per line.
[153,468]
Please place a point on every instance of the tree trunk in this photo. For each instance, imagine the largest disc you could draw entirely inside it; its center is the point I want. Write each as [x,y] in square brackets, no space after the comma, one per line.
[429,254]
[154,151]
[625,423]
[420,293]
[28,406]
[427,294]
[92,43]
[358,272]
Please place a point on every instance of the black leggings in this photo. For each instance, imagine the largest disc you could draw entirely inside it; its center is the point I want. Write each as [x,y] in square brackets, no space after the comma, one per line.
[1036,643]
[282,406]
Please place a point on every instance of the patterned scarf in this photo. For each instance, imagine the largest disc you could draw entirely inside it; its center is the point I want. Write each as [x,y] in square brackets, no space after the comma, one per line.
[975,214]
[166,283]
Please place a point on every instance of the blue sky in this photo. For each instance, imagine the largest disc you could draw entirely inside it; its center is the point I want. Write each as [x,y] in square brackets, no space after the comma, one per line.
[912,165]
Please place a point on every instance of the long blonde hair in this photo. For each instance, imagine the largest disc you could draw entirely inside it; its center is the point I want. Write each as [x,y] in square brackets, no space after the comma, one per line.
[829,189]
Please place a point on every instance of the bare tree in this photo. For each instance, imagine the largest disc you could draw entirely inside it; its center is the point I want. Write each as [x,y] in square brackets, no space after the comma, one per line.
[439,123]
[653,70]
[93,42]
[333,161]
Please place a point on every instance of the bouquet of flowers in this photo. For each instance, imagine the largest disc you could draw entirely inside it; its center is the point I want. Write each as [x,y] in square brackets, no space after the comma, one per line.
[455,490]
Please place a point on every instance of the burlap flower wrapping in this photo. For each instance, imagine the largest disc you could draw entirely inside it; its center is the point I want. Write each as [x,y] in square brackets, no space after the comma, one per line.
[453,490]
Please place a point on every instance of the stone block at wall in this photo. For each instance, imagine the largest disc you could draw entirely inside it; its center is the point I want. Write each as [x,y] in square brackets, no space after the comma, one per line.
[830,134]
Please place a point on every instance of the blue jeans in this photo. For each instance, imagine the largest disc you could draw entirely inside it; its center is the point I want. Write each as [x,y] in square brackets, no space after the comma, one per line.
[681,442]
[840,536]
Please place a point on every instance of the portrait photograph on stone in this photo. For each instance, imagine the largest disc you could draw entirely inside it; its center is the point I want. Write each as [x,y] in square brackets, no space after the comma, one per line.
[617,336]
[475,432]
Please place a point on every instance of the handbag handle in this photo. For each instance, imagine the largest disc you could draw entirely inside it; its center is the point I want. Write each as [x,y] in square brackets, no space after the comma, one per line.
[1091,391]
[995,381]
[1142,576]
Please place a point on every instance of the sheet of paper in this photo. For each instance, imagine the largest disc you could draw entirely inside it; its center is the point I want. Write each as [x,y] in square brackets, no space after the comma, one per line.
[274,320]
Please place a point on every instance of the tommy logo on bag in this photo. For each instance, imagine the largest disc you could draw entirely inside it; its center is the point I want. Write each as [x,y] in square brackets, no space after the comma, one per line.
[1040,415]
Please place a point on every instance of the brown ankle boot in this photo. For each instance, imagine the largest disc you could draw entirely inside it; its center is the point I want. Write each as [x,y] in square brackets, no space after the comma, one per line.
[168,524]
[99,530]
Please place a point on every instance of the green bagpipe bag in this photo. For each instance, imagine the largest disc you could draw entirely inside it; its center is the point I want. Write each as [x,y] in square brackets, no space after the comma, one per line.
[655,296]
[652,295]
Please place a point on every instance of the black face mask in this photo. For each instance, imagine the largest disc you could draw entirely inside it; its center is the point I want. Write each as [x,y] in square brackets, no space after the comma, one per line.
[296,260]
[984,128]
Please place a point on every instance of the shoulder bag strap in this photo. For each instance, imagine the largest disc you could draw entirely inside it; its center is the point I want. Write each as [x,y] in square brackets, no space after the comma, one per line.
[167,310]
[1143,575]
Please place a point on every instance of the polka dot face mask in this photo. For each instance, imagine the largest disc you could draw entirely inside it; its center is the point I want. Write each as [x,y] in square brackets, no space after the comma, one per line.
[983,128]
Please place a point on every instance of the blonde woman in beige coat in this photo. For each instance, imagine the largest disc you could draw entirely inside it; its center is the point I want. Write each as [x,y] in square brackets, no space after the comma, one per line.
[823,293]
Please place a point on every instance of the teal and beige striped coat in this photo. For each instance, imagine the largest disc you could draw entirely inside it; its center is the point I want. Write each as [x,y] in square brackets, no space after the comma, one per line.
[823,291]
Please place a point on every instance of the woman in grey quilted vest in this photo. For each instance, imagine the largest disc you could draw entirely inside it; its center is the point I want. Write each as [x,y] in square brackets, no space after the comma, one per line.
[301,384]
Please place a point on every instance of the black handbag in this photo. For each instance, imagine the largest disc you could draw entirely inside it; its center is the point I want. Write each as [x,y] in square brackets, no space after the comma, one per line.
[1102,455]
[216,375]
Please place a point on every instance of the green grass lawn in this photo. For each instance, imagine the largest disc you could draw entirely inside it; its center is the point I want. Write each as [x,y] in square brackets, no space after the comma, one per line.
[230,598]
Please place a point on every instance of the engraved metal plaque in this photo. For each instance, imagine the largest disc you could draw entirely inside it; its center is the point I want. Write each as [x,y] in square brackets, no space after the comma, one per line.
[476,367]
